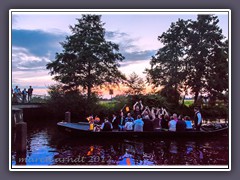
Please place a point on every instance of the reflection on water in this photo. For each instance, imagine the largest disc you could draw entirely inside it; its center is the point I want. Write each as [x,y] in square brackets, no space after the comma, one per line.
[47,146]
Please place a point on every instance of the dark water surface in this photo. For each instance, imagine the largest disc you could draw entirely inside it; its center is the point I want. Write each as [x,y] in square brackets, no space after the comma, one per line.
[47,146]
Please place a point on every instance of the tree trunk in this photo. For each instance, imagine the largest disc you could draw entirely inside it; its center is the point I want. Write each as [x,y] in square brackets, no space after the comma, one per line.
[196,97]
[183,100]
[89,85]
[89,88]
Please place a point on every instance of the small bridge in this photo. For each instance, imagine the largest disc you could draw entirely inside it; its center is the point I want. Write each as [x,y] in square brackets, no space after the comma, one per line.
[17,111]
[27,105]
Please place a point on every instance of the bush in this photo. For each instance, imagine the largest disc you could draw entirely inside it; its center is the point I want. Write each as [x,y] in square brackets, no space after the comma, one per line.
[61,101]
[215,112]
[171,94]
[80,107]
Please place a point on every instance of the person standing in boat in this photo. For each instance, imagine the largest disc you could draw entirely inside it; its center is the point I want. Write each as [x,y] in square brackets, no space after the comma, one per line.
[106,126]
[121,122]
[164,119]
[114,121]
[148,123]
[137,109]
[156,118]
[197,119]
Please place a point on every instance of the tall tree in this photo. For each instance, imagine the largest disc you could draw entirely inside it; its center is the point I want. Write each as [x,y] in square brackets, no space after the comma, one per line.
[169,65]
[135,84]
[217,76]
[194,53]
[205,52]
[87,59]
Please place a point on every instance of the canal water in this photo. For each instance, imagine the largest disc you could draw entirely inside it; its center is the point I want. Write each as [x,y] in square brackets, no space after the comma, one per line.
[47,146]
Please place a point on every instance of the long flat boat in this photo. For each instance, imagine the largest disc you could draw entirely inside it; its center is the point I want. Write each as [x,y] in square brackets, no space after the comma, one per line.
[82,129]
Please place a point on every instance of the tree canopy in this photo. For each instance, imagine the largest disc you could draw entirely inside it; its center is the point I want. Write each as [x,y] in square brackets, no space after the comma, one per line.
[135,84]
[87,59]
[194,56]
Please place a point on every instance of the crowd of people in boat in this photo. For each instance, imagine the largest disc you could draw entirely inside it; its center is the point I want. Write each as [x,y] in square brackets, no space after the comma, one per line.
[148,119]
[23,96]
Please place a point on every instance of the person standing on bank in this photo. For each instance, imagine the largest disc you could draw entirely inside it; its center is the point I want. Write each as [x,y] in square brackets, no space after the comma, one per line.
[29,92]
[24,95]
[197,119]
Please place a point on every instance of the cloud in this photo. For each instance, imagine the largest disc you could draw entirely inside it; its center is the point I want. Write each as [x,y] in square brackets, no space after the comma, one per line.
[125,41]
[33,49]
[115,34]
[23,60]
[38,42]
[129,48]
[139,55]
[14,20]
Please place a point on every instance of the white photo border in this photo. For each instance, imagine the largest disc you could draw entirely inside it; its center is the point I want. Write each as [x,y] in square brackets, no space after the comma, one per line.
[110,167]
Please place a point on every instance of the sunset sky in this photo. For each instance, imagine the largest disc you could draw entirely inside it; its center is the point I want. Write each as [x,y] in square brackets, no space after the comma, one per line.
[36,36]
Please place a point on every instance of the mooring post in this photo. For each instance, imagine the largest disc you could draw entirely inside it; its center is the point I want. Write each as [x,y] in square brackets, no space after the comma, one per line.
[68,116]
[21,137]
[17,116]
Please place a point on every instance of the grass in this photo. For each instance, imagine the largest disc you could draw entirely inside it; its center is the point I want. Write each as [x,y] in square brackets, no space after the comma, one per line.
[188,102]
[108,104]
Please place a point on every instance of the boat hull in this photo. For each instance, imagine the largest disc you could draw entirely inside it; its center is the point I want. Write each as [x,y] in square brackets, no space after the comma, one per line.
[82,129]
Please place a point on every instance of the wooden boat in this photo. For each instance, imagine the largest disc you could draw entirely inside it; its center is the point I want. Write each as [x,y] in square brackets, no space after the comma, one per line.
[82,129]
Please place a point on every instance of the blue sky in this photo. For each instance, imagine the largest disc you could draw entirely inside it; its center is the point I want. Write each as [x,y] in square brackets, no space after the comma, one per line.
[36,36]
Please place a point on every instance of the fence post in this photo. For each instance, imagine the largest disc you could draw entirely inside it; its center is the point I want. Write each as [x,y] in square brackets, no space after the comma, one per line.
[68,116]
[21,137]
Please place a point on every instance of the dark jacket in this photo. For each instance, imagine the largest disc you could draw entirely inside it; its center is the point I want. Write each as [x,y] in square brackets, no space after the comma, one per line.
[181,126]
[107,126]
[148,125]
[164,123]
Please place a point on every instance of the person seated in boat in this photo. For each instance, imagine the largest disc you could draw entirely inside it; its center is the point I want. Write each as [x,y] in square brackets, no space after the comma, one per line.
[106,126]
[180,117]
[138,124]
[148,124]
[129,118]
[137,109]
[181,125]
[97,120]
[172,123]
[128,126]
[121,122]
[188,123]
